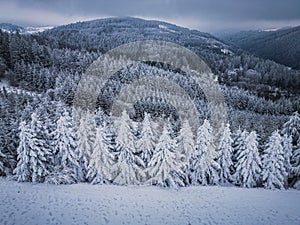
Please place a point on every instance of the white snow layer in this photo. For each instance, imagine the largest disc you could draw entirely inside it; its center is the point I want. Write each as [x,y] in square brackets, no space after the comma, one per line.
[166,28]
[26,203]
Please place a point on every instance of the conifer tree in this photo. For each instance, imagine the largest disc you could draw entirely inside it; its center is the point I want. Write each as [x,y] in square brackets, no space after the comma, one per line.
[186,149]
[129,165]
[292,128]
[164,168]
[296,161]
[23,170]
[205,168]
[147,140]
[286,142]
[248,166]
[85,139]
[101,165]
[32,153]
[273,170]
[65,142]
[225,154]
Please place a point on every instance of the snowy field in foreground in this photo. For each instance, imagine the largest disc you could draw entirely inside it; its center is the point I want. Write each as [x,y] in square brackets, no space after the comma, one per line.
[25,203]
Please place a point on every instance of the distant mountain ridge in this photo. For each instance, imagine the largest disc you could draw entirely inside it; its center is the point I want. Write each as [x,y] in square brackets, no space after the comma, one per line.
[282,46]
[12,28]
[108,33]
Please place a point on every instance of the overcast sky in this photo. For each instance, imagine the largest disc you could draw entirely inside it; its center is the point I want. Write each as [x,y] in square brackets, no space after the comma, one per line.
[204,15]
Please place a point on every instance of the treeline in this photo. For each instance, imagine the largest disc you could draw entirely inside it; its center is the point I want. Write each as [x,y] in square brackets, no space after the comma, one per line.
[63,147]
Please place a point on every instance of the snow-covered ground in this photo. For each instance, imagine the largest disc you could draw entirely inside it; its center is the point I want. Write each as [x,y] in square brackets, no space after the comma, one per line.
[26,203]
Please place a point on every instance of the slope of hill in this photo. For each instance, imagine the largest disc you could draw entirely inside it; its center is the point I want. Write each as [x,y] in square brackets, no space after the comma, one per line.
[108,33]
[282,46]
[110,204]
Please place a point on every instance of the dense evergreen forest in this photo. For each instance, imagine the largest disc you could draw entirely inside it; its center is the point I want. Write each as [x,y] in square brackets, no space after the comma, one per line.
[43,139]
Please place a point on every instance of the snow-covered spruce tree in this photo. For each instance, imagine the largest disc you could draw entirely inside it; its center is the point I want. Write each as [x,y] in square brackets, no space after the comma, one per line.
[248,166]
[2,167]
[237,141]
[39,145]
[65,142]
[129,166]
[7,160]
[102,160]
[10,117]
[147,140]
[205,169]
[126,135]
[292,128]
[296,161]
[164,168]
[186,149]
[225,154]
[23,170]
[286,142]
[66,152]
[32,153]
[273,170]
[239,145]
[47,117]
[85,138]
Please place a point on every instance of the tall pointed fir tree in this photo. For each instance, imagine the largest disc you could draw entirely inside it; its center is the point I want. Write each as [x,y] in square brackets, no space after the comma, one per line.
[47,116]
[2,167]
[236,145]
[7,160]
[248,166]
[296,162]
[205,169]
[186,148]
[23,170]
[147,140]
[286,142]
[66,151]
[9,132]
[32,154]
[129,166]
[39,145]
[292,129]
[273,170]
[102,160]
[164,168]
[85,135]
[225,154]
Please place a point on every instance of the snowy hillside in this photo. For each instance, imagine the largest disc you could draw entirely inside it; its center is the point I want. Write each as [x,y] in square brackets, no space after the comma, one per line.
[25,203]
[280,45]
[108,33]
